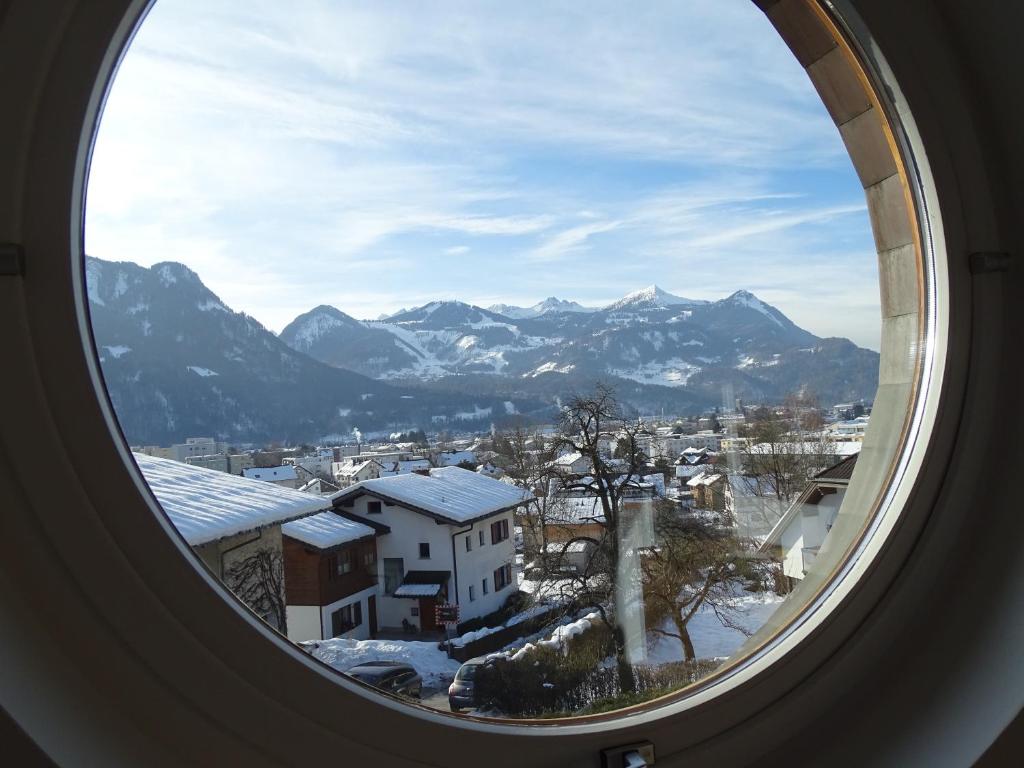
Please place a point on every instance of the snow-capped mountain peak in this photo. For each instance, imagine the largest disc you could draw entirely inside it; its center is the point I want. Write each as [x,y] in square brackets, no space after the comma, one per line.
[306,329]
[651,297]
[550,304]
[747,299]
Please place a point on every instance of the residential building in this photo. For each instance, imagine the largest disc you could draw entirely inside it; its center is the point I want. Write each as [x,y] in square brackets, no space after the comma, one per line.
[798,536]
[708,490]
[331,576]
[234,464]
[193,446]
[450,530]
[233,525]
[572,464]
[284,475]
[455,458]
[348,473]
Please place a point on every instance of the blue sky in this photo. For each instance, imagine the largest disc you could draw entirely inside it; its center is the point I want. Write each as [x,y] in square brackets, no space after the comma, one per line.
[380,155]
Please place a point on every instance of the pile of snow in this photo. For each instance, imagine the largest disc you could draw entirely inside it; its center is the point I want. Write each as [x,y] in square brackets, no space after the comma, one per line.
[533,611]
[433,664]
[711,639]
[558,639]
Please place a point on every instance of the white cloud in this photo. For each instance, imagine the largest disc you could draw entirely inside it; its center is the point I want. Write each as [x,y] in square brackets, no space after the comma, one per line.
[337,152]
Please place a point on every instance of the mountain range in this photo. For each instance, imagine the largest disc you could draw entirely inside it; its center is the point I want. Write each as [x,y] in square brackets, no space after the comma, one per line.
[650,338]
[178,362]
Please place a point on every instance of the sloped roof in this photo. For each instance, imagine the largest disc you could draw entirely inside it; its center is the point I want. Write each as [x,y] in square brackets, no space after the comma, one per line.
[206,505]
[705,479]
[451,494]
[326,530]
[841,471]
[268,474]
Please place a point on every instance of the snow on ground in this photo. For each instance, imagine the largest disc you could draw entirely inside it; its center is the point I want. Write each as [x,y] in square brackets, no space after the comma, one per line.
[710,638]
[674,372]
[433,664]
[118,351]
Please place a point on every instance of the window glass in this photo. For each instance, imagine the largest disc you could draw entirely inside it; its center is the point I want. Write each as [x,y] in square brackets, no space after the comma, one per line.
[394,570]
[591,279]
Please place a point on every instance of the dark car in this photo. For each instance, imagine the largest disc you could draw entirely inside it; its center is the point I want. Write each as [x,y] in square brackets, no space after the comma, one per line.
[462,691]
[390,676]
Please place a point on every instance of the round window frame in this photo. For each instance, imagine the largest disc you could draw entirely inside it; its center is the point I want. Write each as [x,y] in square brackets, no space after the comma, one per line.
[152,568]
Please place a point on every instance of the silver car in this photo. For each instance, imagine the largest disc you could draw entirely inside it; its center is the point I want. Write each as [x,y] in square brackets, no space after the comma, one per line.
[462,692]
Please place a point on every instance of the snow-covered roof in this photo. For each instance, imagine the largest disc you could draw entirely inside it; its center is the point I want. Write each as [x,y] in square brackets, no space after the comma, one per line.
[575,510]
[417,590]
[567,459]
[270,474]
[451,493]
[451,458]
[355,469]
[206,505]
[825,448]
[326,530]
[575,546]
[705,479]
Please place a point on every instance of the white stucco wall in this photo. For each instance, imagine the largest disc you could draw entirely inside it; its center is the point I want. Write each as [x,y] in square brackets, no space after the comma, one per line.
[362,632]
[808,530]
[409,529]
[303,623]
[480,563]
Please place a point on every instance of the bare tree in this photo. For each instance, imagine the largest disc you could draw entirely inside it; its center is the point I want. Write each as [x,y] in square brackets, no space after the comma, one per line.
[606,581]
[258,581]
[697,564]
[530,469]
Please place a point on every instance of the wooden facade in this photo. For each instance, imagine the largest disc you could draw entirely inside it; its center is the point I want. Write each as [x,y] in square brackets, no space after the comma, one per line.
[321,577]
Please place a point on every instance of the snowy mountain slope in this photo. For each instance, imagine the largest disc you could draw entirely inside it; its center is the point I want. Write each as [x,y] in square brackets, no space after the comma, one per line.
[550,304]
[649,337]
[178,362]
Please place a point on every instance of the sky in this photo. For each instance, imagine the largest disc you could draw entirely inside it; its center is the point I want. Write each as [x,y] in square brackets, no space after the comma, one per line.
[380,155]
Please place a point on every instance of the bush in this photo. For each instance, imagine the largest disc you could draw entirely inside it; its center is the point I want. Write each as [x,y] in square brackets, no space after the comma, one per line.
[548,679]
[514,603]
[583,680]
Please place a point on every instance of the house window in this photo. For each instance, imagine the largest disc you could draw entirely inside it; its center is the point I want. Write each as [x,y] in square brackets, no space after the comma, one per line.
[472,593]
[370,557]
[344,563]
[485,589]
[332,567]
[481,538]
[424,550]
[502,577]
[373,507]
[469,543]
[499,531]
[346,618]
[394,570]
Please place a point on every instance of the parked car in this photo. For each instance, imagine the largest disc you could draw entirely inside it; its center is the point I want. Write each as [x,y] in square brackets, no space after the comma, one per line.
[389,676]
[462,691]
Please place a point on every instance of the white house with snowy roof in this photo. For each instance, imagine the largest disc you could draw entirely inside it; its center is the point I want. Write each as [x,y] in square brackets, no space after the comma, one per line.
[454,458]
[285,475]
[331,579]
[233,524]
[350,473]
[449,541]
